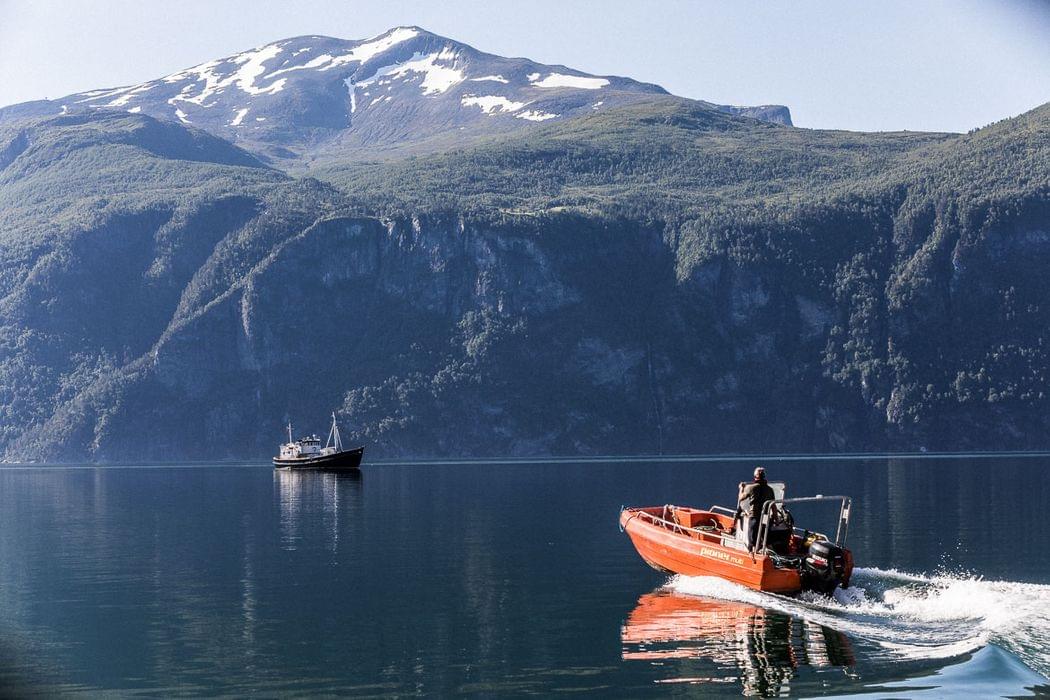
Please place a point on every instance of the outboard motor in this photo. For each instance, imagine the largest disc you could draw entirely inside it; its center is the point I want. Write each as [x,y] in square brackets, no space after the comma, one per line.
[826,566]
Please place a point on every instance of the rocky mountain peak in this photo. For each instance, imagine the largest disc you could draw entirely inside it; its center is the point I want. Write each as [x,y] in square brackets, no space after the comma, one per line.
[406,84]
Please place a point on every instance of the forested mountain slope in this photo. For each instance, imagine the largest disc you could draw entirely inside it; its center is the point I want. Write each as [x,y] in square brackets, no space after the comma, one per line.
[657,277]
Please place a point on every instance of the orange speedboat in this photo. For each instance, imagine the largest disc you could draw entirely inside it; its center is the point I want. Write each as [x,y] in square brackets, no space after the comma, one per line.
[786,559]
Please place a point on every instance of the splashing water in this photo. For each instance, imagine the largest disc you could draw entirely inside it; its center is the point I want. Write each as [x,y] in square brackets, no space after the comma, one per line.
[915,616]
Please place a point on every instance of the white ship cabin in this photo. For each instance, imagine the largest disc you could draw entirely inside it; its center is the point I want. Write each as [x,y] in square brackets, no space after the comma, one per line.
[302,449]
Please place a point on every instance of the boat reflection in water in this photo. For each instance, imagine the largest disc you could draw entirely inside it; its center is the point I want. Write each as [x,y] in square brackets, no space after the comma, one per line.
[760,649]
[316,505]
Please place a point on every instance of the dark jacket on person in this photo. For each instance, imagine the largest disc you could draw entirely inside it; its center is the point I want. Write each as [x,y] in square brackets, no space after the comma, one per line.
[753,497]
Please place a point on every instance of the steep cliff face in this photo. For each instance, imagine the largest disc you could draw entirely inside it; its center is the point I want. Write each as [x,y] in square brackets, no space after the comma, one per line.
[443,336]
[775,114]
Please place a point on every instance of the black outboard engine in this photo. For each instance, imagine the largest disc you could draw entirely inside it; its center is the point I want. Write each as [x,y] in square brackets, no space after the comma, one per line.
[826,566]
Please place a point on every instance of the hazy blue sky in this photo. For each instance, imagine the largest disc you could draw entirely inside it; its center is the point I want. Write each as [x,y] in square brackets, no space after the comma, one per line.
[890,64]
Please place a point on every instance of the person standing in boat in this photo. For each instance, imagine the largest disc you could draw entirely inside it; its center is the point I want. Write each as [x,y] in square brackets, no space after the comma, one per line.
[751,498]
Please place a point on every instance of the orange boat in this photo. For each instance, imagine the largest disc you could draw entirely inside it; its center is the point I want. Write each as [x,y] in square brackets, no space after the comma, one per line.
[693,542]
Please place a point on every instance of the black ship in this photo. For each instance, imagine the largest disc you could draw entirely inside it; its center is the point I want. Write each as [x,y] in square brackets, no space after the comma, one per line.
[307,453]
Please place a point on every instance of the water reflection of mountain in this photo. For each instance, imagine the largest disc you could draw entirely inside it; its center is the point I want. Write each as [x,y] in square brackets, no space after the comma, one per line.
[703,640]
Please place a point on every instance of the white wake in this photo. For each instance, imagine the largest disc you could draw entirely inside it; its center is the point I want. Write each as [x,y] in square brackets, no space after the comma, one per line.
[915,616]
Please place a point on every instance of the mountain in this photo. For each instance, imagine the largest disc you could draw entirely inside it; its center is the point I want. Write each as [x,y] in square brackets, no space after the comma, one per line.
[404,86]
[659,276]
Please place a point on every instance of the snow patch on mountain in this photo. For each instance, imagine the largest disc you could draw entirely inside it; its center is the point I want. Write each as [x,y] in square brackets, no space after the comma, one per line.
[536,116]
[253,66]
[95,95]
[371,49]
[493,78]
[361,53]
[239,117]
[352,89]
[555,80]
[436,78]
[492,104]
[321,62]
[129,95]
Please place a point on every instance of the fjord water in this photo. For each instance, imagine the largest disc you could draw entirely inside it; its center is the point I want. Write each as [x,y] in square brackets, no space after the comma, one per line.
[497,579]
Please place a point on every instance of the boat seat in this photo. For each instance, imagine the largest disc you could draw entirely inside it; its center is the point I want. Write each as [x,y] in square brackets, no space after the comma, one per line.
[733,542]
[740,530]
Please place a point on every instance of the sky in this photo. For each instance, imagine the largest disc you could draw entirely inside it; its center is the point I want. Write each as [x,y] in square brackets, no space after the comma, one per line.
[932,65]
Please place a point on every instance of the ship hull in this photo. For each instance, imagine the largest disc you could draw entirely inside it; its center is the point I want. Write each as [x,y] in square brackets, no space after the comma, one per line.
[347,460]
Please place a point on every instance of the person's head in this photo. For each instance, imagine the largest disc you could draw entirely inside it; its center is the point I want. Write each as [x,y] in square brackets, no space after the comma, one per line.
[760,474]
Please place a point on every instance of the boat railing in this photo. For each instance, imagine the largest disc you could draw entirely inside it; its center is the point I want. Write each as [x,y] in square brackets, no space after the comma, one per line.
[666,522]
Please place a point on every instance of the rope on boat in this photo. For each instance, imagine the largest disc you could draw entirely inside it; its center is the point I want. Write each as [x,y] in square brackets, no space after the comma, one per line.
[782,561]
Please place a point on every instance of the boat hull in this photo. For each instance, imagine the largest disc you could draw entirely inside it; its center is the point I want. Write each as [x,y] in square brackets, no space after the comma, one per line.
[347,460]
[683,550]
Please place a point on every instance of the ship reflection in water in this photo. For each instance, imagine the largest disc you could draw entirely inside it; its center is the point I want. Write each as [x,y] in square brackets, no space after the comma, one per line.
[761,650]
[317,502]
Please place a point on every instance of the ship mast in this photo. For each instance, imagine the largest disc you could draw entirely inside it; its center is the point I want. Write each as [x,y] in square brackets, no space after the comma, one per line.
[289,431]
[334,433]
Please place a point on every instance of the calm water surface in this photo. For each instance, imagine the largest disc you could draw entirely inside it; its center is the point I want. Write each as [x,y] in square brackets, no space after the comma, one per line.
[505,579]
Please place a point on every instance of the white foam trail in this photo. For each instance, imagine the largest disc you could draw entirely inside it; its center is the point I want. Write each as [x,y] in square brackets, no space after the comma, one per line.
[915,616]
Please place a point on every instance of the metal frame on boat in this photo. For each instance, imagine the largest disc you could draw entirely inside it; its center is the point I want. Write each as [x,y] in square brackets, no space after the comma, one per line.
[841,528]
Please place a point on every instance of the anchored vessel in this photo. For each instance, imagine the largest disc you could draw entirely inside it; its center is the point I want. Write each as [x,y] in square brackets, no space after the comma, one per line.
[307,453]
[713,542]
